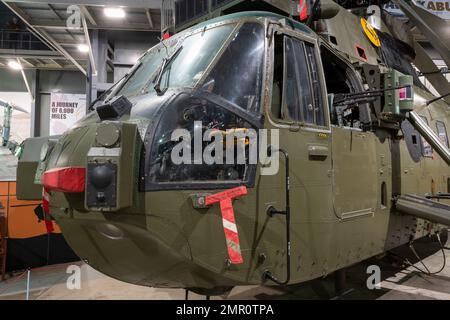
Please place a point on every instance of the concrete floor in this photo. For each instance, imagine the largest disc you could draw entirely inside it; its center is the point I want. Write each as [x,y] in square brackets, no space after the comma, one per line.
[398,282]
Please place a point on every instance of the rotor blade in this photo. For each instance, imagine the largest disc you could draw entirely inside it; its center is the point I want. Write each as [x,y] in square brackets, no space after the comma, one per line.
[434,28]
[429,69]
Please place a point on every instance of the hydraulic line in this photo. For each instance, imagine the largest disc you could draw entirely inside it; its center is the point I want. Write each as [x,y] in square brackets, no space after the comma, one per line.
[287,212]
[427,270]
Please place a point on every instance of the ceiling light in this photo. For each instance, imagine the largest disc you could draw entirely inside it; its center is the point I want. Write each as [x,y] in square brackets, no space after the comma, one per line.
[83,47]
[117,13]
[15,65]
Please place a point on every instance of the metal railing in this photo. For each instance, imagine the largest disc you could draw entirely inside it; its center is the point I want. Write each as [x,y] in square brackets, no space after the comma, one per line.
[167,16]
[20,40]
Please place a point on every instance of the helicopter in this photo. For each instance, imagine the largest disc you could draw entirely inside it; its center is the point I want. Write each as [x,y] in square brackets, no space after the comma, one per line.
[359,147]
[9,107]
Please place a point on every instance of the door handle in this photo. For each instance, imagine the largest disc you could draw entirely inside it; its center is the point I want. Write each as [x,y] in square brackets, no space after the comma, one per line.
[317,152]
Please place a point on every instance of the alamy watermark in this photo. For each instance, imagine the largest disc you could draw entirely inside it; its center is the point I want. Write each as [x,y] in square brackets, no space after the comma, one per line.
[74,279]
[374,279]
[74,16]
[231,146]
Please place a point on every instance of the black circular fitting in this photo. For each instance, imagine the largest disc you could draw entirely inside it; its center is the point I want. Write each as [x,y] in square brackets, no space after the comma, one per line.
[101,176]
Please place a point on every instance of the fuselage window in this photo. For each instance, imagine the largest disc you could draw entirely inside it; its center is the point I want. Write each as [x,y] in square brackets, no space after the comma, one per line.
[383,195]
[336,73]
[442,132]
[427,150]
[338,79]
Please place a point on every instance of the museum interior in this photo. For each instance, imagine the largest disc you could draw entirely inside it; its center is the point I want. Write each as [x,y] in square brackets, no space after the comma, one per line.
[328,176]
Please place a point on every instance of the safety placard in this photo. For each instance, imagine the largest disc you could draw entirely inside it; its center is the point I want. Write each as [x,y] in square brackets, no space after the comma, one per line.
[65,110]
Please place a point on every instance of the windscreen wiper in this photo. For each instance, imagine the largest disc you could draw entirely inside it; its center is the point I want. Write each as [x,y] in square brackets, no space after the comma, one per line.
[107,92]
[166,62]
[104,94]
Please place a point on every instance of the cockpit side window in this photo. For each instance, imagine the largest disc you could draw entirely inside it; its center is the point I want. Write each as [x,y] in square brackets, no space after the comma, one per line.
[297,79]
[297,87]
[237,76]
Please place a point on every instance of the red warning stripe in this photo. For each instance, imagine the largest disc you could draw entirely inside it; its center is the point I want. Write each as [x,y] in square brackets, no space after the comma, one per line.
[68,179]
[46,207]
[225,199]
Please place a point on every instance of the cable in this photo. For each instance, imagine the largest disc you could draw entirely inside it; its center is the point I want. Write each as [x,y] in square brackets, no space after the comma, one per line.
[287,213]
[438,98]
[428,272]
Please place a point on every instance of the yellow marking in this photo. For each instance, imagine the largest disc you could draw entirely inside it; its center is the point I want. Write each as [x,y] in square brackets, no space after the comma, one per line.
[239,136]
[322,135]
[370,33]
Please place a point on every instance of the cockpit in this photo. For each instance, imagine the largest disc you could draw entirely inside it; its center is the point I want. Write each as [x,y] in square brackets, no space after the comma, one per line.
[213,79]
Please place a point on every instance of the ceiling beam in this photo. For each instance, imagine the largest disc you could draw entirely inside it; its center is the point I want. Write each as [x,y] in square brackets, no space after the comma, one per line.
[151,4]
[55,12]
[149,18]
[25,80]
[46,67]
[34,54]
[60,18]
[55,63]
[87,39]
[63,51]
[27,19]
[88,15]
[67,44]
[43,34]
[54,25]
[26,61]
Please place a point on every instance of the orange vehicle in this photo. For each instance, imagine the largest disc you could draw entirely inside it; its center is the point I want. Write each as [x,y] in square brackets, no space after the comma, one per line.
[24,240]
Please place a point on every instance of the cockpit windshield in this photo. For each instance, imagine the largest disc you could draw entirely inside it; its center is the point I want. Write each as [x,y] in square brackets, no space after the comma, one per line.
[198,50]
[226,60]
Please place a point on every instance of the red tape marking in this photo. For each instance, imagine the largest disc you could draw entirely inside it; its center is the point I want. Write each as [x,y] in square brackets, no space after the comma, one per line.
[225,199]
[46,207]
[69,179]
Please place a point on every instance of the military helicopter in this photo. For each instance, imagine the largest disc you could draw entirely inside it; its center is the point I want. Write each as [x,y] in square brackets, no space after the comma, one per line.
[362,149]
[6,128]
